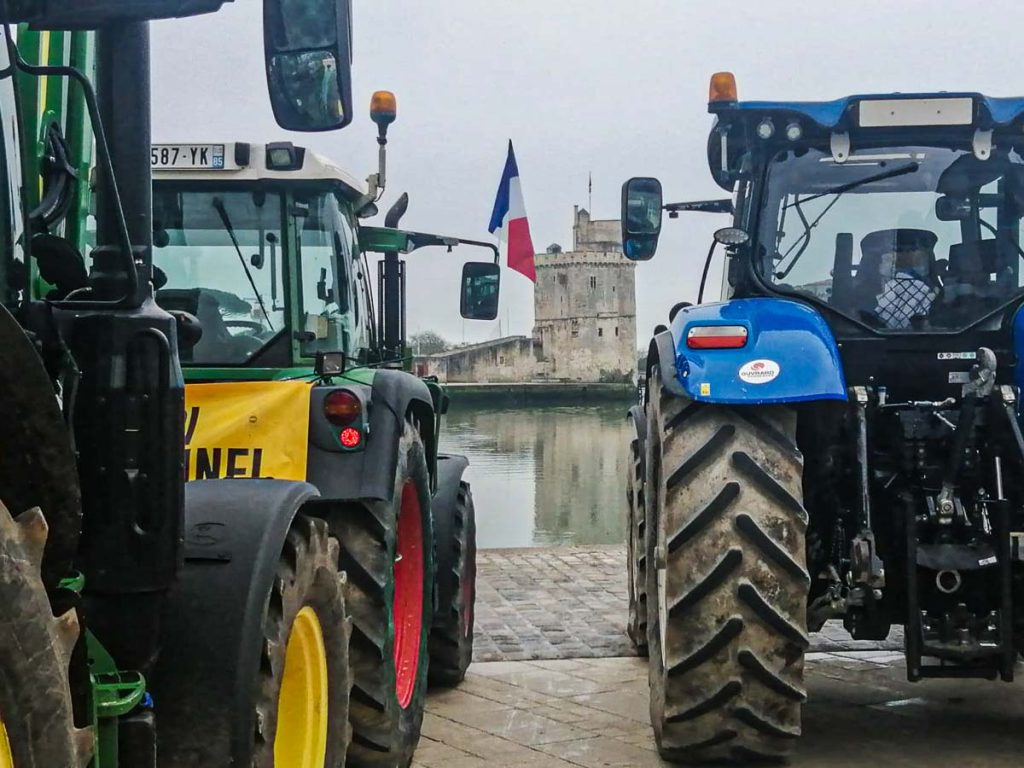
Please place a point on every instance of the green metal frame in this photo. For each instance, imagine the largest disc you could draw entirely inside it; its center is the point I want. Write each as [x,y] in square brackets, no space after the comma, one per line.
[47,100]
[113,693]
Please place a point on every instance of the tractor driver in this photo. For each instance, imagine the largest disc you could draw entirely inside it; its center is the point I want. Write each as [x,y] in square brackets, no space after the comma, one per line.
[906,282]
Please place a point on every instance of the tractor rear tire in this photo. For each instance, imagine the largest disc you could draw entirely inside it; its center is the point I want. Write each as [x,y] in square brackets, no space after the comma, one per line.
[387,549]
[451,642]
[728,583]
[39,466]
[37,728]
[302,705]
[636,552]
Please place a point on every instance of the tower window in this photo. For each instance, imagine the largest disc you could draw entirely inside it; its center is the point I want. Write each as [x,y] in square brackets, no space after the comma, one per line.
[600,331]
[616,330]
[593,282]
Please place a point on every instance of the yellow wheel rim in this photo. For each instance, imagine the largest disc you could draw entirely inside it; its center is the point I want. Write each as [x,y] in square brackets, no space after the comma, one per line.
[6,758]
[301,740]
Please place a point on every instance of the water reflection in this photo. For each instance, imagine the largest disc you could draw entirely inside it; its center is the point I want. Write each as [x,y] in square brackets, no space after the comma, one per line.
[543,475]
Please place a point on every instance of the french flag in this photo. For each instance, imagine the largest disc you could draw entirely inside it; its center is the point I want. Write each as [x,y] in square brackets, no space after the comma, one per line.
[508,219]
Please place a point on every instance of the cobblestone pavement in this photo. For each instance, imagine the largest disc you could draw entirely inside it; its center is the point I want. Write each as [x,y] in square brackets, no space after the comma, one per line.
[570,603]
[593,713]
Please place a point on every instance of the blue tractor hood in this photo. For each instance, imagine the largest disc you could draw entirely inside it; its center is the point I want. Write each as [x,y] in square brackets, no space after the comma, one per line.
[790,354]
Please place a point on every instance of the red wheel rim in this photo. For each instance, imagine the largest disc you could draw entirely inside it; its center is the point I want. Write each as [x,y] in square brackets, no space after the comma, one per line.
[408,602]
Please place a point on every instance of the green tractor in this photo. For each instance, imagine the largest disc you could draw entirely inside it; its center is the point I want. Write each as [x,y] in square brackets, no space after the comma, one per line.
[244,618]
[298,373]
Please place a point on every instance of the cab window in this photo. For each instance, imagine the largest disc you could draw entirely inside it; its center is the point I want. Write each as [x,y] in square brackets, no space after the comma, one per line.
[325,280]
[237,294]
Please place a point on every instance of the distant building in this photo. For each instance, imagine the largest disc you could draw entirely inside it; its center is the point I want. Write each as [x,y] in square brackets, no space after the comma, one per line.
[584,319]
[585,307]
[504,360]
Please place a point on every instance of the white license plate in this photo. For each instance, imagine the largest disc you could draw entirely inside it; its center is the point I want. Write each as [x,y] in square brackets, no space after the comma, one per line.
[887,113]
[188,156]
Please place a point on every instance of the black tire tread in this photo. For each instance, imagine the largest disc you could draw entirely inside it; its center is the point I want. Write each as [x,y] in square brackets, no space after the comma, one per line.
[307,575]
[636,556]
[383,734]
[35,650]
[451,641]
[728,519]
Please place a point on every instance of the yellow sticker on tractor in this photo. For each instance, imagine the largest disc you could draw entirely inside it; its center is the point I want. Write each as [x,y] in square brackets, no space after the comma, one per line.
[247,429]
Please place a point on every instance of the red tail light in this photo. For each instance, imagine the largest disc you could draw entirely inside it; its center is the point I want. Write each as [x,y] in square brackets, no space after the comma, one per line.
[716,337]
[342,407]
[350,437]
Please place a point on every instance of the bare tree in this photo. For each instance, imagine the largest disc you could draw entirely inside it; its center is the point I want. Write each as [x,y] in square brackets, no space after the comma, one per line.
[428,343]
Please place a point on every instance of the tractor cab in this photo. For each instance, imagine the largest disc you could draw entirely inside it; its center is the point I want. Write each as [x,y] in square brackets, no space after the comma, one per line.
[897,218]
[258,243]
[262,245]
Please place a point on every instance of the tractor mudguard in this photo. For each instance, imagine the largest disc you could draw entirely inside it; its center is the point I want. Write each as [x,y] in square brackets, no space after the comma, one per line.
[790,355]
[370,473]
[450,469]
[204,685]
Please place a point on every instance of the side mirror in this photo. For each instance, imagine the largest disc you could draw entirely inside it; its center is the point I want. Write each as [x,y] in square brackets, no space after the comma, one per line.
[641,218]
[307,45]
[949,208]
[480,283]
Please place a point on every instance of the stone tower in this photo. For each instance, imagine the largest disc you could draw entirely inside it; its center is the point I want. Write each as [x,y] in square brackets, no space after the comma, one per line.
[585,307]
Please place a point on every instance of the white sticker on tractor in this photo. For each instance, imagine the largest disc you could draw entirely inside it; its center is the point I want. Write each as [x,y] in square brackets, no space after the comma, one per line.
[958,355]
[759,371]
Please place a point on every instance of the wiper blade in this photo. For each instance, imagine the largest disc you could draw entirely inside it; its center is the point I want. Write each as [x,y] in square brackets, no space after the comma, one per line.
[218,206]
[805,238]
[901,170]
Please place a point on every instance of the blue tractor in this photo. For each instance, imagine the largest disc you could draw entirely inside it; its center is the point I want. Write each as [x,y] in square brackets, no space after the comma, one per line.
[839,436]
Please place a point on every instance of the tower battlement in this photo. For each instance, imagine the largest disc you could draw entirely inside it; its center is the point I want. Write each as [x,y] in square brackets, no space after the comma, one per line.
[585,306]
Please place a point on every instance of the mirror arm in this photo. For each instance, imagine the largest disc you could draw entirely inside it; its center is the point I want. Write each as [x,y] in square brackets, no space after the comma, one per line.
[699,206]
[422,240]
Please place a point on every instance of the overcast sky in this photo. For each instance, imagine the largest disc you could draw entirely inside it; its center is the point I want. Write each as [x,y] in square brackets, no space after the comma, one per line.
[602,87]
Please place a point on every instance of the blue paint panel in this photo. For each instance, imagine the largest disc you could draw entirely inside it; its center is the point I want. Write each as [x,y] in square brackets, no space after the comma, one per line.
[828,114]
[1004,110]
[824,113]
[1018,349]
[789,334]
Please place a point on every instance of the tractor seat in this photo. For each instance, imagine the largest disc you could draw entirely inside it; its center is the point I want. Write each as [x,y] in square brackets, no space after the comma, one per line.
[863,290]
[217,345]
[973,261]
[971,266]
